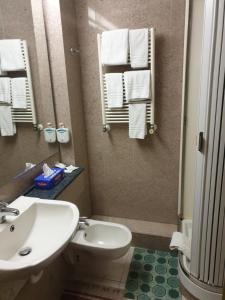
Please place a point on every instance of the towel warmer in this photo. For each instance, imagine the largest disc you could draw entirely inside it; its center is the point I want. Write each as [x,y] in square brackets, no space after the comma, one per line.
[27,115]
[121,115]
[24,115]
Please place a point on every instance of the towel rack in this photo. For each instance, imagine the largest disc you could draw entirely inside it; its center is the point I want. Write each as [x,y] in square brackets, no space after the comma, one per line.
[121,115]
[27,115]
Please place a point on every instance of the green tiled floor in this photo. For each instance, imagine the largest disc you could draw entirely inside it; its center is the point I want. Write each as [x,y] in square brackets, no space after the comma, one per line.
[153,275]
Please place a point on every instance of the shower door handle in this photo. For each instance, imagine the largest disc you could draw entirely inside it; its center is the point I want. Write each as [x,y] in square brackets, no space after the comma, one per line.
[200,141]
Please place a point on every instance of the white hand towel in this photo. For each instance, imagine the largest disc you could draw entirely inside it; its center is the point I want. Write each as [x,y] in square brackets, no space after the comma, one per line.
[137,85]
[11,58]
[138,40]
[137,121]
[114,47]
[7,127]
[180,242]
[19,98]
[5,91]
[114,89]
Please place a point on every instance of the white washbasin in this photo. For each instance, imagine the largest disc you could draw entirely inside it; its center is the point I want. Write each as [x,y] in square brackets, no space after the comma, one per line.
[43,226]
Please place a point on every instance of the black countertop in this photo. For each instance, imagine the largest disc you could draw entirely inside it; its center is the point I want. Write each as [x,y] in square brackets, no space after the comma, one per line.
[55,191]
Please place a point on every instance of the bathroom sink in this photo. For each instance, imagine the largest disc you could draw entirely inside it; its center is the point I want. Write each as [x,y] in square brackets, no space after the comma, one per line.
[33,239]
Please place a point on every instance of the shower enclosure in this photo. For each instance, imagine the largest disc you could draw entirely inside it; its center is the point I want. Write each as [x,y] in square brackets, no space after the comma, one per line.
[202,188]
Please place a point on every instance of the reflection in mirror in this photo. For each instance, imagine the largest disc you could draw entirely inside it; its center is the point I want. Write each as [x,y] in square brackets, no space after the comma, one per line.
[23,20]
[23,181]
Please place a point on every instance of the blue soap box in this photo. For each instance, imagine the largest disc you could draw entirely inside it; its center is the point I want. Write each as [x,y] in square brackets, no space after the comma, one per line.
[46,183]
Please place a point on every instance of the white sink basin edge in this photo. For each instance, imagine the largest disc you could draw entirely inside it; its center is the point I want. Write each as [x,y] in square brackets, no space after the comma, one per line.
[44,226]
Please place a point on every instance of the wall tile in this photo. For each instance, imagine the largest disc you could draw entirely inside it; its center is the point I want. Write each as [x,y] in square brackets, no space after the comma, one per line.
[129,178]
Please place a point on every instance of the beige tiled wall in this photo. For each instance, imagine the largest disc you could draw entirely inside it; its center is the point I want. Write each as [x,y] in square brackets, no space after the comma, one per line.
[49,287]
[58,71]
[60,26]
[78,193]
[130,178]
[72,62]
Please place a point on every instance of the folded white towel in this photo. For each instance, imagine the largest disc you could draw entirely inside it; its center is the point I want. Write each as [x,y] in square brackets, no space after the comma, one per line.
[138,40]
[5,91]
[19,98]
[114,89]
[180,242]
[137,85]
[114,47]
[11,58]
[7,127]
[137,121]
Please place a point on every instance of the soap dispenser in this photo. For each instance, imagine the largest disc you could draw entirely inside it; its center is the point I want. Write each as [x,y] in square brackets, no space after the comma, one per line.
[50,133]
[63,134]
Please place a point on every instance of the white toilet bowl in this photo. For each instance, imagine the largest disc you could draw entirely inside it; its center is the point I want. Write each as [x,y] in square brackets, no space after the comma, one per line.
[105,239]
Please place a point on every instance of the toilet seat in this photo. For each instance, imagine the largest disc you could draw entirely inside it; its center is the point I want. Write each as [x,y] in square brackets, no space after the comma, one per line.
[106,239]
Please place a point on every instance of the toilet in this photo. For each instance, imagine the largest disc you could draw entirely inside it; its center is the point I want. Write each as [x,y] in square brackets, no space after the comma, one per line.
[105,239]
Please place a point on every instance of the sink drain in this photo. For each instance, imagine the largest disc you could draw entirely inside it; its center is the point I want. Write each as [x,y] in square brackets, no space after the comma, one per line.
[25,251]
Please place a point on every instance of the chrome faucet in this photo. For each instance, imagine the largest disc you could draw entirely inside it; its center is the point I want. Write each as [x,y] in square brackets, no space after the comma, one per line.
[7,211]
[82,223]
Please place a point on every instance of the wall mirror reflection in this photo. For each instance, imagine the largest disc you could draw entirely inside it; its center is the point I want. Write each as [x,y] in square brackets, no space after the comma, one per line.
[26,99]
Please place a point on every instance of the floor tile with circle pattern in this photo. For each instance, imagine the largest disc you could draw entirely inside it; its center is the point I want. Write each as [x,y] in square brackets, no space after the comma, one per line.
[153,275]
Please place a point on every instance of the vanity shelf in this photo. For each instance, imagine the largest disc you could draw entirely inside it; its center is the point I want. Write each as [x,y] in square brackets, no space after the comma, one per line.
[55,191]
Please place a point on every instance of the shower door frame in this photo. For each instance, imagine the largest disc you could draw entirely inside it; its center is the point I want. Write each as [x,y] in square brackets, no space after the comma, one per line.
[210,59]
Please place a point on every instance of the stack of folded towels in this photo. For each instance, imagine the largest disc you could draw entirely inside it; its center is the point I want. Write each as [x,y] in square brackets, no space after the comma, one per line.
[114,51]
[115,46]
[12,90]
[137,87]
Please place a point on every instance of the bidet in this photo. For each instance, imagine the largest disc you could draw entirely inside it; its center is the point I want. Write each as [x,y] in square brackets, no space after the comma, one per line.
[105,239]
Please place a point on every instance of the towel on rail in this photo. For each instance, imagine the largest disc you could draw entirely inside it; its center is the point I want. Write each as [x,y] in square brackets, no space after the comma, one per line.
[114,47]
[114,89]
[5,91]
[137,121]
[11,58]
[19,98]
[138,40]
[137,85]
[7,127]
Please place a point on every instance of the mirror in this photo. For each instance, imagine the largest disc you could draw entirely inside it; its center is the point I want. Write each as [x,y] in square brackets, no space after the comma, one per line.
[23,19]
